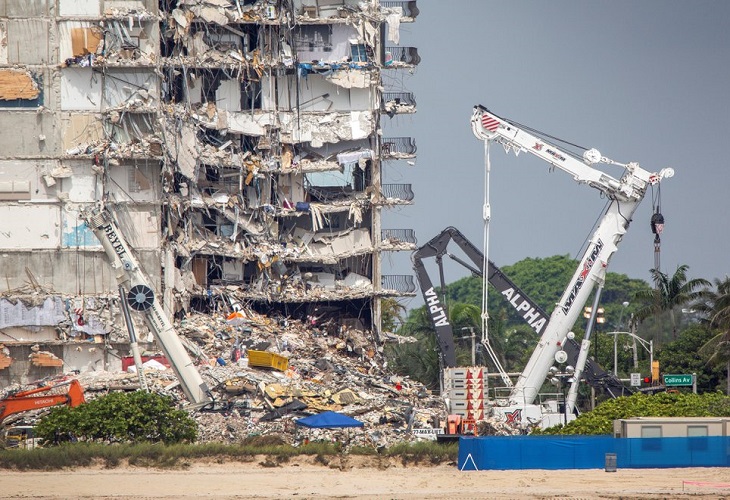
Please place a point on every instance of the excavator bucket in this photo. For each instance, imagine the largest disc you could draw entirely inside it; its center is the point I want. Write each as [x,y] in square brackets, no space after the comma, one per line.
[76,394]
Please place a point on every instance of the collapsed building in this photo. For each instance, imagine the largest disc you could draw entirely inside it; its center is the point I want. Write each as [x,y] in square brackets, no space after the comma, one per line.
[237,143]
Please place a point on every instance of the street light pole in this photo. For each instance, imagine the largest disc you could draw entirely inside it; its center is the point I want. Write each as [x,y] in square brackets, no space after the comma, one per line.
[615,339]
[648,345]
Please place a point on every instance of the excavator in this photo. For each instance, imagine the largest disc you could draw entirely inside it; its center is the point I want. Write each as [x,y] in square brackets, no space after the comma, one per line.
[35,399]
[623,197]
[438,247]
[31,400]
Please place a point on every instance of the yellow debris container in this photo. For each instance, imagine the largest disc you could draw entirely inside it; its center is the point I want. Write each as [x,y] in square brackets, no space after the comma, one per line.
[267,359]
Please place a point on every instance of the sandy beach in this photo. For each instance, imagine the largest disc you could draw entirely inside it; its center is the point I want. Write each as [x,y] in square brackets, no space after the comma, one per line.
[360,478]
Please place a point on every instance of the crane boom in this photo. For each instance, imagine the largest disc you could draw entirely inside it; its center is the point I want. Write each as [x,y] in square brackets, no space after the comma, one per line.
[142,298]
[624,196]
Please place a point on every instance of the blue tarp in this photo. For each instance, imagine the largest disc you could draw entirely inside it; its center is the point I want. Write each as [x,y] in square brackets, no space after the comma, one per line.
[329,420]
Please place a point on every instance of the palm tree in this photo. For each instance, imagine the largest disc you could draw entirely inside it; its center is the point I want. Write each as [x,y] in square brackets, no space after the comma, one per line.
[465,320]
[669,294]
[716,305]
[519,343]
[419,359]
[391,313]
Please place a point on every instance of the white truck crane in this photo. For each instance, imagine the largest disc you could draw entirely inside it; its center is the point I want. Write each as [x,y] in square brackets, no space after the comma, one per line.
[624,196]
[141,298]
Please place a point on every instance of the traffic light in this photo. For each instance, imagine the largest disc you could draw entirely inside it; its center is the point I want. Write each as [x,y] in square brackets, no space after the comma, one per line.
[599,314]
[647,380]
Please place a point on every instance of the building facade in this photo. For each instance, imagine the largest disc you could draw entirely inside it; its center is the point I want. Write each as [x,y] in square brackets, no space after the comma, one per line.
[237,143]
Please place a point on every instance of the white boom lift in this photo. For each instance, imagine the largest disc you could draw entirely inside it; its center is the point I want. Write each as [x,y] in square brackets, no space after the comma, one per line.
[624,196]
[141,298]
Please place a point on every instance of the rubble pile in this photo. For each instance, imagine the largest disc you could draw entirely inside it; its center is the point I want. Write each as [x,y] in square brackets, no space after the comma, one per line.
[338,369]
[327,368]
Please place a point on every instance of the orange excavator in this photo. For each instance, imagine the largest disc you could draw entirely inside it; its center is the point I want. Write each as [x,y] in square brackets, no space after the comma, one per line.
[31,400]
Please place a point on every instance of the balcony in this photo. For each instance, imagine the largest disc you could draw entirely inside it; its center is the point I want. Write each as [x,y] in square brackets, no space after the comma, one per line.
[410,11]
[398,147]
[401,56]
[328,194]
[398,103]
[402,283]
[397,192]
[397,237]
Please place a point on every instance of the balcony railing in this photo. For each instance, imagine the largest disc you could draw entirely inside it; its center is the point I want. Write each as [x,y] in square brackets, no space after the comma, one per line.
[325,194]
[398,146]
[398,191]
[405,55]
[399,235]
[395,103]
[400,98]
[408,6]
[403,283]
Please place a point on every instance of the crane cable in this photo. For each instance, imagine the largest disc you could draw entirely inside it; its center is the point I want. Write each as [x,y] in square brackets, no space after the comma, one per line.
[487,216]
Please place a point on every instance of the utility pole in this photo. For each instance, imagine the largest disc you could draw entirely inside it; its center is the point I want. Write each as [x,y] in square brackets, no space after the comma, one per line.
[473,338]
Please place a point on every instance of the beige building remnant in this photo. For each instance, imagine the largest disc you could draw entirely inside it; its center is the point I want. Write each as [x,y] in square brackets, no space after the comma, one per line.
[238,143]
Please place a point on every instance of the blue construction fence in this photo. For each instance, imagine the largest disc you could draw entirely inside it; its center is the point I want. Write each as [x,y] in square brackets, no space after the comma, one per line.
[589,452]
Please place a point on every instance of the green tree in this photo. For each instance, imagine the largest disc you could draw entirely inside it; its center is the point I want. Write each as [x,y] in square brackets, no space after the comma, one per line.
[669,295]
[716,306]
[685,355]
[418,359]
[391,314]
[465,319]
[544,280]
[120,417]
[519,343]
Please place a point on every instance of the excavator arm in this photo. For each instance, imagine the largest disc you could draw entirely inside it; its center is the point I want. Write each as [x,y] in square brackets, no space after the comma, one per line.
[31,400]
[437,248]
[525,307]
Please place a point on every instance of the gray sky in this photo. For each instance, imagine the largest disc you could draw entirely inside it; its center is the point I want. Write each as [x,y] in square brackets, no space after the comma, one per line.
[645,81]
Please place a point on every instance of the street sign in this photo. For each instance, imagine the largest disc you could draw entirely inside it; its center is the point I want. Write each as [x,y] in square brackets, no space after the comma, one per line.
[677,380]
[635,379]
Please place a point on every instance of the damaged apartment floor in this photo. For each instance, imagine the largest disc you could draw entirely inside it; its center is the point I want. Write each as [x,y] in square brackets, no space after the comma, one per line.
[318,371]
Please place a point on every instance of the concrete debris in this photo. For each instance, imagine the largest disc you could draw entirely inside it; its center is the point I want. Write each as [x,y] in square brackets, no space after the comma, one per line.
[46,359]
[394,107]
[329,367]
